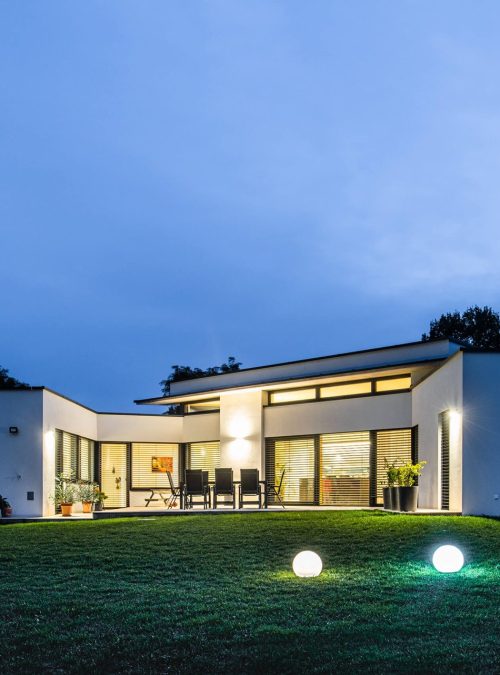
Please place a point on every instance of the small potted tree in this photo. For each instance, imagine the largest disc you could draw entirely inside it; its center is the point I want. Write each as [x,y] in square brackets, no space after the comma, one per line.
[5,507]
[64,494]
[86,494]
[389,492]
[407,490]
[99,498]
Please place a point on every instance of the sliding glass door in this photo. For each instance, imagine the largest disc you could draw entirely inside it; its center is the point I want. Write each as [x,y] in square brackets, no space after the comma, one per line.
[341,469]
[345,469]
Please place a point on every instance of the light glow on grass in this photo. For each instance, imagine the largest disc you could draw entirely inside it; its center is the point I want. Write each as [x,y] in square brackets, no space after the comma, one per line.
[448,559]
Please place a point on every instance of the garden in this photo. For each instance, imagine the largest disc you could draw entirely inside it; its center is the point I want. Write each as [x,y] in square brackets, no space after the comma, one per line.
[218,594]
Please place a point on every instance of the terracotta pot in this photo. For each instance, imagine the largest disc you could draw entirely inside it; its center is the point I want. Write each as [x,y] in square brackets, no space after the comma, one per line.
[87,507]
[66,509]
[6,512]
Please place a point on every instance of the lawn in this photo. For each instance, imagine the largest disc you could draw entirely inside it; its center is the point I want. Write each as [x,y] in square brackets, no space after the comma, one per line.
[217,594]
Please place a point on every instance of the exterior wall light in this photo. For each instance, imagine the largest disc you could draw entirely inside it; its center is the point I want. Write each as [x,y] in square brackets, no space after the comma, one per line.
[307,564]
[448,559]
[13,430]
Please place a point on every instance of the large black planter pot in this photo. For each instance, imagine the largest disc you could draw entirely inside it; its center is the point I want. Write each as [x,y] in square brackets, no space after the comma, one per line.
[387,498]
[98,506]
[408,498]
[394,498]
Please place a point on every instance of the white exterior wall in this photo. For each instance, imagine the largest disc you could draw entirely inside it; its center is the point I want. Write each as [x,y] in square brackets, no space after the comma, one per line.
[443,390]
[21,458]
[388,411]
[139,428]
[60,413]
[201,427]
[481,447]
[241,436]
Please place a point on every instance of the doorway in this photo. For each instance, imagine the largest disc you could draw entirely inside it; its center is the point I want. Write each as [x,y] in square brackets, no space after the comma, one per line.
[114,474]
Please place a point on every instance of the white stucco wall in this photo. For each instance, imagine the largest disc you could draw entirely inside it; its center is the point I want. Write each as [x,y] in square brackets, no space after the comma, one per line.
[389,411]
[60,413]
[443,390]
[241,430]
[21,468]
[481,444]
[201,427]
[139,428]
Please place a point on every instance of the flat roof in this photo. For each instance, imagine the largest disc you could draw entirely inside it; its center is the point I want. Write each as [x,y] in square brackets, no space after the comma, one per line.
[159,400]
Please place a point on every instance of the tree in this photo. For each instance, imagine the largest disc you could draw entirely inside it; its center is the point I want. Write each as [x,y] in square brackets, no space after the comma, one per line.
[476,327]
[9,382]
[180,373]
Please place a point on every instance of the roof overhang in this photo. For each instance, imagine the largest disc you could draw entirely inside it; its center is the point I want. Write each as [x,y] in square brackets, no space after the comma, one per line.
[423,368]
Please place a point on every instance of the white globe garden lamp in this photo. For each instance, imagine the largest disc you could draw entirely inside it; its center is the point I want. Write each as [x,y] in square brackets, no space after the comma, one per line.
[448,559]
[307,564]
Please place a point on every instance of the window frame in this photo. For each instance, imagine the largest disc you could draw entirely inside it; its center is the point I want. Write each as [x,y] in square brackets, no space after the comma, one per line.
[318,387]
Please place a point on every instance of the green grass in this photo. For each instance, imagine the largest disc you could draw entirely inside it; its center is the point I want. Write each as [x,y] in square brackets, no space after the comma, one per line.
[216,594]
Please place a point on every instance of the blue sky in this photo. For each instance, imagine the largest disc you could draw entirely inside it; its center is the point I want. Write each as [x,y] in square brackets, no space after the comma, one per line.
[182,181]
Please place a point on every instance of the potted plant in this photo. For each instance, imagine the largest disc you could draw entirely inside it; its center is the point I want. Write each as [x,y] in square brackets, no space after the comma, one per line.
[64,494]
[390,492]
[392,480]
[99,498]
[86,494]
[407,490]
[5,507]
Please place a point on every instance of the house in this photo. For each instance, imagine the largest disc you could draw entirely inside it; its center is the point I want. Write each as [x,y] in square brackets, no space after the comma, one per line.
[331,423]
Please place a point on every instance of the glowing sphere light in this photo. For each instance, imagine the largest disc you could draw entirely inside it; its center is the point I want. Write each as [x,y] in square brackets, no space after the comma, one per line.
[307,564]
[448,559]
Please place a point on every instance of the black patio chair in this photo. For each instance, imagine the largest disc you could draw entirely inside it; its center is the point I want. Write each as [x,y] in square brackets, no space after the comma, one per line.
[224,485]
[249,485]
[195,486]
[175,492]
[168,496]
[273,490]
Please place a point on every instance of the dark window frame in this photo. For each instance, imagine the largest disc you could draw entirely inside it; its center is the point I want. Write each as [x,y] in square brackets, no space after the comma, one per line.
[317,387]
[269,451]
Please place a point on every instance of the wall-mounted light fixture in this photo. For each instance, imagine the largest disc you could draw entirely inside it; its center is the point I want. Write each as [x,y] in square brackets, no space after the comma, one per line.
[13,430]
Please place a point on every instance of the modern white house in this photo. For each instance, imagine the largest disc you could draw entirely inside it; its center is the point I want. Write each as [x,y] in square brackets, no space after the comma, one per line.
[330,423]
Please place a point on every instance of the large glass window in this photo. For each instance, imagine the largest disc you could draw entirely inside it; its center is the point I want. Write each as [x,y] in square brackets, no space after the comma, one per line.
[393,384]
[349,468]
[345,469]
[393,447]
[150,463]
[292,395]
[296,458]
[341,389]
[202,406]
[346,389]
[205,456]
[74,456]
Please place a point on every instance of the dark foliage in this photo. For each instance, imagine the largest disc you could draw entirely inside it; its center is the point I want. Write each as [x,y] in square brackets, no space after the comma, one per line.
[180,373]
[8,382]
[476,327]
